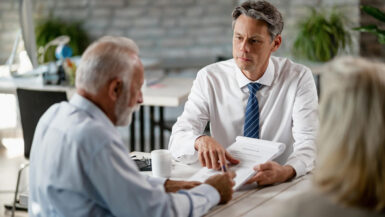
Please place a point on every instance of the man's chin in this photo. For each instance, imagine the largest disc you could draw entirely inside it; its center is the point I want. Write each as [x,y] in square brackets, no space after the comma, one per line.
[126,118]
[244,65]
[125,122]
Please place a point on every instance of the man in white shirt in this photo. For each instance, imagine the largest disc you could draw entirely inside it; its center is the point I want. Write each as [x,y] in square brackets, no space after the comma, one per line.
[282,106]
[79,165]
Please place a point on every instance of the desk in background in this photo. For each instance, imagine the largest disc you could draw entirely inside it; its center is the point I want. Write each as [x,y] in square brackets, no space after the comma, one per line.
[167,92]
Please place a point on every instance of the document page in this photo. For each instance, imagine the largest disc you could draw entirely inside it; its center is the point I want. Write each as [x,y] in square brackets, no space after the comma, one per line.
[250,152]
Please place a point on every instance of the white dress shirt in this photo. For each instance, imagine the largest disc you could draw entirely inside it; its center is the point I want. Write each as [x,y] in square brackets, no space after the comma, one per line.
[79,166]
[288,106]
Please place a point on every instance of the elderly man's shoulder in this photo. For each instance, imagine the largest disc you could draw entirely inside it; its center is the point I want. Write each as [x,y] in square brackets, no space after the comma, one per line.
[78,125]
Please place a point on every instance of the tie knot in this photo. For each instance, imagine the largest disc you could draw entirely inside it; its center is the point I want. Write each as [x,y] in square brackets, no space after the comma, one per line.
[254,87]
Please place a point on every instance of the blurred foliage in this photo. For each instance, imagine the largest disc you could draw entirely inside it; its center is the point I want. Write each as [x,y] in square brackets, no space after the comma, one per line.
[50,28]
[374,29]
[321,36]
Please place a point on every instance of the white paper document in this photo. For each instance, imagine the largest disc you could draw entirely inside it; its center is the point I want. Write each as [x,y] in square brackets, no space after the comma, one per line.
[250,152]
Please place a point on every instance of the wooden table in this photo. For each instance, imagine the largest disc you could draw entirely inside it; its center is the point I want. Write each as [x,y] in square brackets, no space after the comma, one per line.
[248,201]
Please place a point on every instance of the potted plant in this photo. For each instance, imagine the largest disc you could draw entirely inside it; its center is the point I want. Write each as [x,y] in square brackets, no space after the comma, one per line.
[374,29]
[321,36]
[51,28]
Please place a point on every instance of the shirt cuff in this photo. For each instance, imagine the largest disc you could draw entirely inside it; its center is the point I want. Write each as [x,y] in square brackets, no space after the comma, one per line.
[187,154]
[299,167]
[209,191]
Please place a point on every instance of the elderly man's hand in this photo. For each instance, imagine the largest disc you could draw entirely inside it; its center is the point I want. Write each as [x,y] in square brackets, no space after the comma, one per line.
[271,172]
[211,154]
[174,186]
[224,184]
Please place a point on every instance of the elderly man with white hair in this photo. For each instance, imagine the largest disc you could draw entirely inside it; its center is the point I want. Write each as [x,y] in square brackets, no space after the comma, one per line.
[79,165]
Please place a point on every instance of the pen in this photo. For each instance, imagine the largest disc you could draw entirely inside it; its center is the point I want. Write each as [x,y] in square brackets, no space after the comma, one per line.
[224,168]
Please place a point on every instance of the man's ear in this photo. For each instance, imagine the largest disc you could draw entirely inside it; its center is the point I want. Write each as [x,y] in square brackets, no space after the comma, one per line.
[115,87]
[276,43]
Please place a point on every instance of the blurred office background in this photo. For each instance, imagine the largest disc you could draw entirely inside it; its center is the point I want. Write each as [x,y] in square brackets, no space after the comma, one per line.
[167,30]
[175,28]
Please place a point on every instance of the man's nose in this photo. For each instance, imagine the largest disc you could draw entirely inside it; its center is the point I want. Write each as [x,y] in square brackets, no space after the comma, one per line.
[244,46]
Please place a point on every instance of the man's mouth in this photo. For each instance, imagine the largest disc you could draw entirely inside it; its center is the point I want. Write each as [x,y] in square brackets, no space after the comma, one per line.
[244,59]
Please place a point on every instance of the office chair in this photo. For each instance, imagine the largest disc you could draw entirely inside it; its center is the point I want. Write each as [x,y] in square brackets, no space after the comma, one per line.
[32,105]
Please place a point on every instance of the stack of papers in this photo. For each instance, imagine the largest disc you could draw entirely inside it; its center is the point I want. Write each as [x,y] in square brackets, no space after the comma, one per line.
[250,152]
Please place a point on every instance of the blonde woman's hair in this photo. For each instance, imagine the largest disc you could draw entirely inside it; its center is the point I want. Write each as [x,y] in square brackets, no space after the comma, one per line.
[351,141]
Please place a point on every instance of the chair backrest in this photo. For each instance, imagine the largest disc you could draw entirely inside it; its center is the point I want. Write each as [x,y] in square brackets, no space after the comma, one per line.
[32,105]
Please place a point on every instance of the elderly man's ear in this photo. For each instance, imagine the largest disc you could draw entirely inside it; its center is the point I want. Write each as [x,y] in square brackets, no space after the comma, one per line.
[115,88]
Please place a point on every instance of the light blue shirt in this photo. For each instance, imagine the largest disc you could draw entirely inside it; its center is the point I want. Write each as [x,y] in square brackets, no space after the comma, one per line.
[79,166]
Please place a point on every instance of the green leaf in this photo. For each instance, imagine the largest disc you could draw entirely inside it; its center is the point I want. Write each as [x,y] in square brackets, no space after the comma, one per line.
[322,35]
[374,12]
[48,29]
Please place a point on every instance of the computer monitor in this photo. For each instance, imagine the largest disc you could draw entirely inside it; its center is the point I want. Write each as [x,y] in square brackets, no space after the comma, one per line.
[28,30]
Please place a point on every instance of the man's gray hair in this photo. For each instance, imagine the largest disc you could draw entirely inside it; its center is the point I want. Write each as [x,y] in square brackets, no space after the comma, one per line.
[107,58]
[261,10]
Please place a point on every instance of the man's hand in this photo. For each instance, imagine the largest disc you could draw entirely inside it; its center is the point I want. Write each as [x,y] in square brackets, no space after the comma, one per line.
[174,186]
[271,172]
[211,154]
[224,184]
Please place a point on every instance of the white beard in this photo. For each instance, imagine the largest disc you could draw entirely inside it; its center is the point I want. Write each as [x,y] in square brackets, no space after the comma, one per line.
[125,117]
[124,113]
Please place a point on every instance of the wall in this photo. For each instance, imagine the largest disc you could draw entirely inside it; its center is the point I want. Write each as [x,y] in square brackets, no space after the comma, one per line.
[163,28]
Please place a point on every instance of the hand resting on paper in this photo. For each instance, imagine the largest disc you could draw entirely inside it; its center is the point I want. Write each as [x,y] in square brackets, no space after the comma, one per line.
[271,172]
[224,184]
[174,186]
[212,154]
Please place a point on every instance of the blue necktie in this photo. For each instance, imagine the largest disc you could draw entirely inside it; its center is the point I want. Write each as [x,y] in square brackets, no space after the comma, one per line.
[251,128]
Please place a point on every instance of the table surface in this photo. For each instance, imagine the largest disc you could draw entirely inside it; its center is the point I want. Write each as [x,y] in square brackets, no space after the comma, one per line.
[250,200]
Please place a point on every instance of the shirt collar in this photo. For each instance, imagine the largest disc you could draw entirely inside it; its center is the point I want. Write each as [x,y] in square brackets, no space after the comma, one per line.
[266,79]
[88,106]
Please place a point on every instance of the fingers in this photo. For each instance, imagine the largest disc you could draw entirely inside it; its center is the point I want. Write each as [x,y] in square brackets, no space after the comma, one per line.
[231,174]
[265,166]
[230,158]
[211,154]
[206,155]
[222,162]
[262,178]
[202,159]
[214,159]
[251,180]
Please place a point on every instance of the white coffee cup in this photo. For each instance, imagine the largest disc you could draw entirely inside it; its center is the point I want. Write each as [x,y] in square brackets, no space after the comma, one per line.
[161,163]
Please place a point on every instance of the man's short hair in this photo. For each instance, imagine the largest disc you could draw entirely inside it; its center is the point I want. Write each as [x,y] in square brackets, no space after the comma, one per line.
[107,58]
[351,138]
[261,10]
